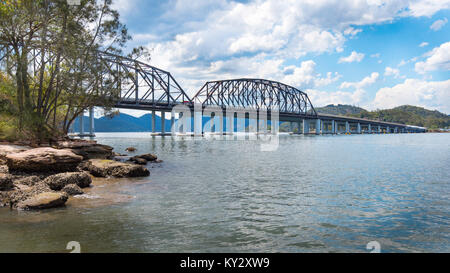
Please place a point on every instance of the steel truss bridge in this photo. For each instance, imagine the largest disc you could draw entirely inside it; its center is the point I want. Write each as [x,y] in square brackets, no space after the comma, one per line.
[145,87]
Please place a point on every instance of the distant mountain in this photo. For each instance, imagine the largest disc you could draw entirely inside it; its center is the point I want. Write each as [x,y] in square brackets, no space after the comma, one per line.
[340,110]
[123,123]
[411,115]
[406,114]
[126,123]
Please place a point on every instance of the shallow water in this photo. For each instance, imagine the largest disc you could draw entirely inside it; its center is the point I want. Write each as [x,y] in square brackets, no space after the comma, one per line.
[313,194]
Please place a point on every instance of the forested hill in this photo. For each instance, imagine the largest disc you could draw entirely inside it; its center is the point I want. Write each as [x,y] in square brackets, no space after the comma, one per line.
[406,114]
[340,110]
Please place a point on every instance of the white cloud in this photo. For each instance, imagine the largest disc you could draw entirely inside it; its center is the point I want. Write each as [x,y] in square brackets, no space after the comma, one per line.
[363,83]
[437,25]
[305,76]
[432,95]
[322,98]
[352,31]
[438,59]
[123,6]
[376,55]
[353,57]
[211,40]
[426,7]
[389,71]
[424,44]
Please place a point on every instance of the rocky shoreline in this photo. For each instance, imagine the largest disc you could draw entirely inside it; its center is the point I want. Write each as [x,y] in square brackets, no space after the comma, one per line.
[35,178]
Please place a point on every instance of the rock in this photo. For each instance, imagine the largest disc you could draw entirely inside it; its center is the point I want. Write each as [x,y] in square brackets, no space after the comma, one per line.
[10,149]
[6,182]
[58,181]
[44,200]
[4,168]
[21,193]
[72,189]
[131,149]
[28,180]
[96,151]
[105,168]
[148,157]
[88,149]
[43,160]
[138,160]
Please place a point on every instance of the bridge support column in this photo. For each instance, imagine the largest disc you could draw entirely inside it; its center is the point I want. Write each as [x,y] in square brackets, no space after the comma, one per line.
[318,127]
[198,124]
[172,123]
[358,128]
[305,126]
[333,127]
[347,127]
[153,121]
[163,122]
[369,129]
[396,130]
[388,130]
[91,122]
[220,127]
[81,117]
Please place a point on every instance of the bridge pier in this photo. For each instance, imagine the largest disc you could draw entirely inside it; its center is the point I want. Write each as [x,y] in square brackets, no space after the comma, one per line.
[91,122]
[358,128]
[153,121]
[333,127]
[305,127]
[369,128]
[318,127]
[198,124]
[172,124]
[230,123]
[220,120]
[81,117]
[163,122]
[388,130]
[347,127]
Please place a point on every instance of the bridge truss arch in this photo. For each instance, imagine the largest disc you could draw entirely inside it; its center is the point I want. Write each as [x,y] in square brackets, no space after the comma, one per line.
[255,94]
[138,84]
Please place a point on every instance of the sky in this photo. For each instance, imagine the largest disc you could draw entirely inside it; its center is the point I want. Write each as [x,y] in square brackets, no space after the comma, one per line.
[374,54]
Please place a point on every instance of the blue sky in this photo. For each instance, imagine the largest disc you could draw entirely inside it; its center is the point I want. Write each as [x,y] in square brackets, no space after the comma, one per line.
[374,54]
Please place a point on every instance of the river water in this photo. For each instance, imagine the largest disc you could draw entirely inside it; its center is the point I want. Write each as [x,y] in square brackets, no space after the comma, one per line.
[312,194]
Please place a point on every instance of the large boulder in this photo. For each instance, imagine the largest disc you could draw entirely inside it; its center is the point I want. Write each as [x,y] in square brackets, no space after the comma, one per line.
[6,182]
[23,192]
[88,149]
[143,159]
[44,200]
[106,168]
[58,181]
[43,160]
[148,157]
[10,149]
[72,189]
[138,160]
[28,180]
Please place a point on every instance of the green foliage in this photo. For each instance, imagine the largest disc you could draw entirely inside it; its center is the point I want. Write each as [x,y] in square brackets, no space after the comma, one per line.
[45,97]
[340,110]
[406,114]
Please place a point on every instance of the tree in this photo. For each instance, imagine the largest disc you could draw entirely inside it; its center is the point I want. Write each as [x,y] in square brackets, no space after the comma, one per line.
[52,50]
